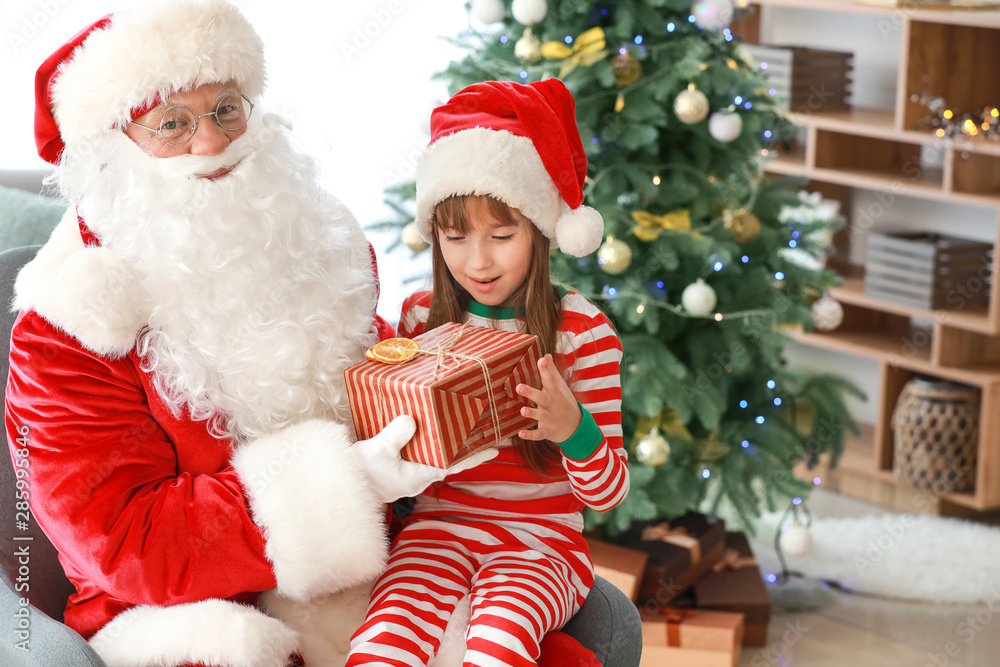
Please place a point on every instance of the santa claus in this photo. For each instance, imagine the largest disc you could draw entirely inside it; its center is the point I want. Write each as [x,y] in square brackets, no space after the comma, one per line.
[177,365]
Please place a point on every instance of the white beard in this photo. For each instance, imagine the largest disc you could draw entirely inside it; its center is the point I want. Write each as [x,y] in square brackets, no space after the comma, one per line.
[262,283]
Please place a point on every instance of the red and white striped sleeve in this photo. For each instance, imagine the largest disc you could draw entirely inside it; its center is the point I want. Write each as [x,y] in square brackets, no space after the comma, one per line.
[413,320]
[594,458]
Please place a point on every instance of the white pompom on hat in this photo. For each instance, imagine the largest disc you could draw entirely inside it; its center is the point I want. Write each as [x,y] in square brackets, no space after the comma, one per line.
[121,66]
[518,143]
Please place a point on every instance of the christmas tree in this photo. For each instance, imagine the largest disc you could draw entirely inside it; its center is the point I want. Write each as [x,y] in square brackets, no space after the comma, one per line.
[706,262]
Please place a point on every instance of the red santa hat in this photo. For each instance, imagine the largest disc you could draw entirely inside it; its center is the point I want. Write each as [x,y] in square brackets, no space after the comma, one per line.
[520,144]
[121,66]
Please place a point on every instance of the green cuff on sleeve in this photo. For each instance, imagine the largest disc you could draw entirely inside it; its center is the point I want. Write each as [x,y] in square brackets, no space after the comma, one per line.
[585,440]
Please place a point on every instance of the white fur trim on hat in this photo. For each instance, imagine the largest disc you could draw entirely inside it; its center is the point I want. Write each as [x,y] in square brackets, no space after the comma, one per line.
[210,632]
[151,53]
[481,161]
[90,293]
[324,527]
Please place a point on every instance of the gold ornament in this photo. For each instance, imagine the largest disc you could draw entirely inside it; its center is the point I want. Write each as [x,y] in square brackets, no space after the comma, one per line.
[411,238]
[649,227]
[653,449]
[626,67]
[614,256]
[743,225]
[691,105]
[587,49]
[528,48]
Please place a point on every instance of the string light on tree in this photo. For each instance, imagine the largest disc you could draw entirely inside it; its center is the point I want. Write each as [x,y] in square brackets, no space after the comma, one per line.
[699,298]
[488,11]
[614,256]
[653,449]
[691,105]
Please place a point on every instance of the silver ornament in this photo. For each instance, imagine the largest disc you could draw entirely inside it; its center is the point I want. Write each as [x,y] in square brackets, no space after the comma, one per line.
[653,449]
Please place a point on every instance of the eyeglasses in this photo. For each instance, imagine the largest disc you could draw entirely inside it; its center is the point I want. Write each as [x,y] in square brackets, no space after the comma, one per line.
[179,123]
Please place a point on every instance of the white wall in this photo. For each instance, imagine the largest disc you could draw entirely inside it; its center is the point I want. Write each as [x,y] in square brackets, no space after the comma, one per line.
[354,78]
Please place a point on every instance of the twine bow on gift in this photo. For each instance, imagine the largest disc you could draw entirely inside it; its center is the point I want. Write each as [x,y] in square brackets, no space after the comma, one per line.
[731,560]
[663,532]
[587,49]
[649,227]
[449,360]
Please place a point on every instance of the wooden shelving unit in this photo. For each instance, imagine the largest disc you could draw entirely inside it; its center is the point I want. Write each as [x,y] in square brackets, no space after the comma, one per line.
[952,53]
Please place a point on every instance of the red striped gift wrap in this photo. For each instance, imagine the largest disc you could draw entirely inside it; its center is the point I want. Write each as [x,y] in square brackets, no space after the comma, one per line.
[448,394]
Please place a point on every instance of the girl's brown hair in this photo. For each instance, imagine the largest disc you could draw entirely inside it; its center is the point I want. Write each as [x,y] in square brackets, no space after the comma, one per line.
[538,298]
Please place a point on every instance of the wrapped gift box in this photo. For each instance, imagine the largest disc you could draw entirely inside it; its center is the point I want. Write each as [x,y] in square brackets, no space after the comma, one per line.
[459,388]
[680,552]
[621,566]
[735,585]
[690,638]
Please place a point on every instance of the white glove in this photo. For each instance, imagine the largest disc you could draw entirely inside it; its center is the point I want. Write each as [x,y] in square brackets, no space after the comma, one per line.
[391,476]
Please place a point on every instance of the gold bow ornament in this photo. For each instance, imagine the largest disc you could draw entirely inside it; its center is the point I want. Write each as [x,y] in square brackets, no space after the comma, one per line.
[587,49]
[649,227]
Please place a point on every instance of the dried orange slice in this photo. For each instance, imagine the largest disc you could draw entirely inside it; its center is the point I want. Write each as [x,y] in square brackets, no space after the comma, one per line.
[393,350]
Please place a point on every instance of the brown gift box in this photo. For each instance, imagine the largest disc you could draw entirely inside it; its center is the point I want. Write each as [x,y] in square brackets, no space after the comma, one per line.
[460,389]
[680,552]
[621,566]
[735,585]
[690,638]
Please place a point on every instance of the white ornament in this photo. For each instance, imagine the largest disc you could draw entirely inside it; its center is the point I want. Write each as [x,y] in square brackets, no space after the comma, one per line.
[411,238]
[528,48]
[488,11]
[795,540]
[827,313]
[529,12]
[698,298]
[725,126]
[713,14]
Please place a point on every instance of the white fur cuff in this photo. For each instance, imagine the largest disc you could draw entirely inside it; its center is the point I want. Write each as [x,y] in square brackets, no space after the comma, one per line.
[211,632]
[324,527]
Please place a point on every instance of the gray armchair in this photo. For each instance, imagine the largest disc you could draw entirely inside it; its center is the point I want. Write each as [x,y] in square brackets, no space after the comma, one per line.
[30,634]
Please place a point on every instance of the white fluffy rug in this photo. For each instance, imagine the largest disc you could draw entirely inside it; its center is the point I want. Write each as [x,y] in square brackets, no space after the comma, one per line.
[914,557]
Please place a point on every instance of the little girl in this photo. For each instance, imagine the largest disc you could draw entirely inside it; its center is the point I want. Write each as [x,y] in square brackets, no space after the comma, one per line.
[501,183]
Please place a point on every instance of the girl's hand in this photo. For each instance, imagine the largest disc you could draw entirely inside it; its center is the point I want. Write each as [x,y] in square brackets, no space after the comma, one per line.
[557,412]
